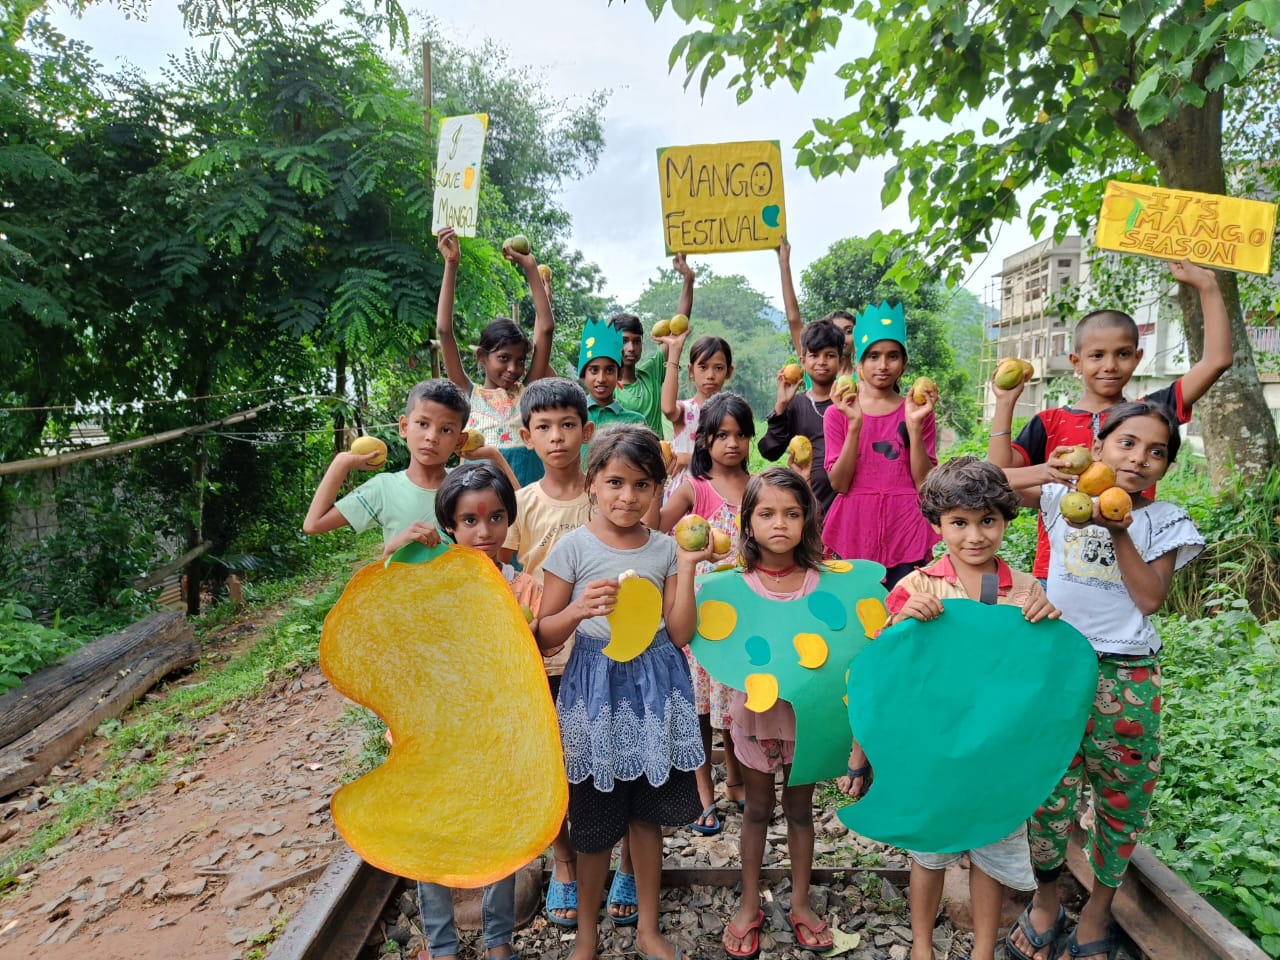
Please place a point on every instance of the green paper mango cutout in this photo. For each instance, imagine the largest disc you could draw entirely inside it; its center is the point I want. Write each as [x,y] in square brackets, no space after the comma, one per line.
[797,650]
[770,214]
[968,721]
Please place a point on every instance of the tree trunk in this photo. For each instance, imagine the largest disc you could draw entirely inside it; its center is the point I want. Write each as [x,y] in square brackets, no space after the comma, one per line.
[339,390]
[1240,440]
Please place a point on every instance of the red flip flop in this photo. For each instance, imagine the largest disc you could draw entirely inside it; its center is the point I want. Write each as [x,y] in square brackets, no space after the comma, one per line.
[752,931]
[812,932]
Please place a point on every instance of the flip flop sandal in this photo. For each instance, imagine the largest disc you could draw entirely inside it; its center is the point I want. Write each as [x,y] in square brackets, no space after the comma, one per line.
[622,893]
[811,931]
[1039,939]
[863,771]
[562,896]
[752,931]
[1108,946]
[707,830]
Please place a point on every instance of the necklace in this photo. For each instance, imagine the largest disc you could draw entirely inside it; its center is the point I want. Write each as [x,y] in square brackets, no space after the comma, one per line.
[777,575]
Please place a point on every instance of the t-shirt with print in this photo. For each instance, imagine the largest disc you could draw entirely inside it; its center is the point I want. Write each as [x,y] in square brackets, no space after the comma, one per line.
[1084,578]
[389,500]
[1067,427]
[580,558]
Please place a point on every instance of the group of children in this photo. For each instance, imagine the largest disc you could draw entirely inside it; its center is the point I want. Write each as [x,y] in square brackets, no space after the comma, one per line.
[574,485]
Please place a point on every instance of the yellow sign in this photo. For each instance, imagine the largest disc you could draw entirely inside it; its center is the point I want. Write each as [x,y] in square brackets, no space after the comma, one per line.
[457,185]
[1229,233]
[718,197]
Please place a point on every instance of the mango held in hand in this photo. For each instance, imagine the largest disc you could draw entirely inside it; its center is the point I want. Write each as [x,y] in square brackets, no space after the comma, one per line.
[920,390]
[679,324]
[364,445]
[544,272]
[845,384]
[720,542]
[793,373]
[661,329]
[692,532]
[1096,477]
[801,450]
[1115,503]
[519,243]
[1076,507]
[1008,374]
[465,717]
[472,439]
[1077,459]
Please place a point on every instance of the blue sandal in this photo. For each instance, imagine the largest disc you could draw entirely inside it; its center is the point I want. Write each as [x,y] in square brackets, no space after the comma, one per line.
[1039,939]
[1108,946]
[622,893]
[562,896]
[707,830]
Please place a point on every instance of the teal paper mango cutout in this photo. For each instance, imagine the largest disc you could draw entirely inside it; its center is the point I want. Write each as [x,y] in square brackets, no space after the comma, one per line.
[769,214]
[741,633]
[968,721]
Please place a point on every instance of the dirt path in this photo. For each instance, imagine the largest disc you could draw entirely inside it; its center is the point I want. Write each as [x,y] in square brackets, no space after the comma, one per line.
[204,865]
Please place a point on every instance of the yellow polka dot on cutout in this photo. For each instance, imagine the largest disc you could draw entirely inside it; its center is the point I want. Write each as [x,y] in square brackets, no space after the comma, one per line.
[716,619]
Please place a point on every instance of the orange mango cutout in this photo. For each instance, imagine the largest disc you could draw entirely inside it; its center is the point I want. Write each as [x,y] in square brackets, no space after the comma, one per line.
[441,652]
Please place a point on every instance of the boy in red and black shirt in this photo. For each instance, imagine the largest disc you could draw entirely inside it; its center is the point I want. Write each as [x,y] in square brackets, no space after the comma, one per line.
[1106,353]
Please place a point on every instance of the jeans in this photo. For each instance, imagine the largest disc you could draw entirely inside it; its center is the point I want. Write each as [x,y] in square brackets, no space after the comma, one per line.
[435,907]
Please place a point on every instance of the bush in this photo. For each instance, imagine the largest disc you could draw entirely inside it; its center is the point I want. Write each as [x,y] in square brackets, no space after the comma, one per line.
[1216,811]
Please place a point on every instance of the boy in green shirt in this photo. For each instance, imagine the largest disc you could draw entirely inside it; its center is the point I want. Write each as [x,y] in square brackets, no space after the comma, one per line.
[599,360]
[640,381]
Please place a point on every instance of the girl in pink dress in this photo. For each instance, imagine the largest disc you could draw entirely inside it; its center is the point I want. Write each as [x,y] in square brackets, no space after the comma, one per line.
[880,446]
[710,367]
[713,490]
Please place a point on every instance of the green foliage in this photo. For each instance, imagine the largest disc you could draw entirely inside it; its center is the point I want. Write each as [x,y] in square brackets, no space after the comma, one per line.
[1216,809]
[27,645]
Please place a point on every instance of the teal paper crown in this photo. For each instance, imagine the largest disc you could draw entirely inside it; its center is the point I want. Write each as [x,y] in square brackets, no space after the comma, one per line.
[600,338]
[882,322]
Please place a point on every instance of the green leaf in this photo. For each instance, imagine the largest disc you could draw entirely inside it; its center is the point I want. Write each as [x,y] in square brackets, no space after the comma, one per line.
[655,7]
[1133,16]
[1244,54]
[1063,7]
[1154,110]
[989,127]
[1266,12]
[1145,87]
[1222,72]
[684,9]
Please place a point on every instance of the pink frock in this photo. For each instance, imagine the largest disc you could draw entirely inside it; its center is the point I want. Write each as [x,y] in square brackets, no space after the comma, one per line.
[879,517]
[712,696]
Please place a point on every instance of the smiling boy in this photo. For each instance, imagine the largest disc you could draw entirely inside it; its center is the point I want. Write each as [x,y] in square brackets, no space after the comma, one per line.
[599,360]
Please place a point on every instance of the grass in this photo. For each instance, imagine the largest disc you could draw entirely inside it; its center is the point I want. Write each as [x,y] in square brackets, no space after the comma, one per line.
[284,649]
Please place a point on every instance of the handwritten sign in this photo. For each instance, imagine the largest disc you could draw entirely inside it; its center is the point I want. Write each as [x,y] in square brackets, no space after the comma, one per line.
[457,187]
[1229,233]
[722,196]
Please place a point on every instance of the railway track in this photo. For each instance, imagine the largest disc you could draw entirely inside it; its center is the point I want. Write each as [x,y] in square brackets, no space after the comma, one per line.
[1163,916]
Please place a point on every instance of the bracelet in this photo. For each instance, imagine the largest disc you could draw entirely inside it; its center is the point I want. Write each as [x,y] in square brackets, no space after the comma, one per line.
[1002,433]
[672,363]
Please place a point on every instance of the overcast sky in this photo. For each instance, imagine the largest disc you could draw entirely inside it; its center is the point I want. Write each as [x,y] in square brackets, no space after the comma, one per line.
[575,46]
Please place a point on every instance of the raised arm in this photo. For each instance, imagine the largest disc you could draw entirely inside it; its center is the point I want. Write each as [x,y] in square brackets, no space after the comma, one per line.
[681,266]
[679,610]
[672,408]
[790,305]
[681,503]
[1000,440]
[447,244]
[922,431]
[544,323]
[1217,356]
[323,514]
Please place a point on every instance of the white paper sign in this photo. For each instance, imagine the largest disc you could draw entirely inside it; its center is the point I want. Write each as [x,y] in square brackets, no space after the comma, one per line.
[457,193]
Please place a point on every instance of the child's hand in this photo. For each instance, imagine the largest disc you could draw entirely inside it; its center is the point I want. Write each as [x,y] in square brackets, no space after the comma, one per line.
[359,461]
[691,558]
[846,401]
[597,599]
[1053,469]
[786,391]
[1114,526]
[920,606]
[806,471]
[1194,275]
[784,252]
[424,533]
[483,452]
[1038,607]
[1010,395]
[681,266]
[917,413]
[525,261]
[447,244]
[669,459]
[857,781]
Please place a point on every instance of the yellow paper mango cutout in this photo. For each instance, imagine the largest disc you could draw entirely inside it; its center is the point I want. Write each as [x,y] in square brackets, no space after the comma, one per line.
[716,619]
[839,566]
[441,652]
[468,177]
[872,615]
[762,691]
[635,618]
[812,649]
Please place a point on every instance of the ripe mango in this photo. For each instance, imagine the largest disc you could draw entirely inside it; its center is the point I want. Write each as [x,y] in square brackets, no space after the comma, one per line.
[367,444]
[519,243]
[793,373]
[1008,374]
[720,542]
[665,447]
[920,390]
[472,439]
[844,384]
[1076,507]
[544,272]
[692,532]
[1115,503]
[801,450]
[1078,459]
[661,329]
[679,324]
[1096,478]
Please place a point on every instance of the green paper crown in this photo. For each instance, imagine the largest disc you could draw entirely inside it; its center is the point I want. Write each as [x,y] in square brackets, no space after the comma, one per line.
[883,322]
[600,338]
